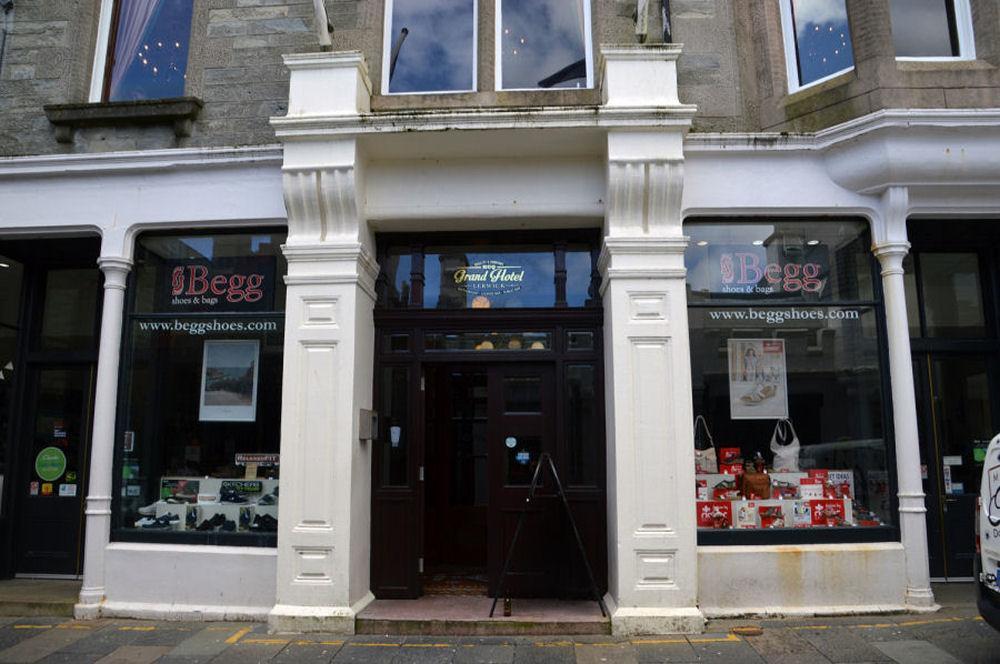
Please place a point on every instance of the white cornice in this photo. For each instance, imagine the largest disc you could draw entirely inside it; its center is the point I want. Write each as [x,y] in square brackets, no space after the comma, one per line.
[139,160]
[551,117]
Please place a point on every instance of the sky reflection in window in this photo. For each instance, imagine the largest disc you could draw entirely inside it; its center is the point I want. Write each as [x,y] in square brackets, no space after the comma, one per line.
[924,28]
[151,49]
[822,38]
[435,51]
[543,44]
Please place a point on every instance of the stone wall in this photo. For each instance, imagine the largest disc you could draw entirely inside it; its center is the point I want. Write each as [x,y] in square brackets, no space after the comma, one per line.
[733,68]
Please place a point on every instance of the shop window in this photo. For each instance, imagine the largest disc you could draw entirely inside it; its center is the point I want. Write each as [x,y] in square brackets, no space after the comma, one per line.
[198,459]
[543,44]
[429,46]
[395,421]
[785,340]
[147,49]
[72,303]
[583,429]
[11,273]
[817,41]
[932,29]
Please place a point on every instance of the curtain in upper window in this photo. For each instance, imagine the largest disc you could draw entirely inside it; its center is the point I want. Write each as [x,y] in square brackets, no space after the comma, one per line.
[149,53]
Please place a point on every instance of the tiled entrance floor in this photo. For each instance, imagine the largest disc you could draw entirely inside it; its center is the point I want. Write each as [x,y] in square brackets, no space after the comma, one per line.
[464,615]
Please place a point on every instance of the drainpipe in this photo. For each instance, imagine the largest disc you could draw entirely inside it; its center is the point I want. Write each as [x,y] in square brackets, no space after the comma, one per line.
[8,7]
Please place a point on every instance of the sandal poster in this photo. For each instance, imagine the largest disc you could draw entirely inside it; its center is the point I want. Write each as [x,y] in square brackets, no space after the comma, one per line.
[758,380]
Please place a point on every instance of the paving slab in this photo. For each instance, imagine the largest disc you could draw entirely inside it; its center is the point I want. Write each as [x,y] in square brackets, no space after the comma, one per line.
[369,650]
[563,653]
[45,642]
[915,652]
[308,652]
[784,647]
[473,653]
[134,655]
[842,646]
[599,653]
[211,640]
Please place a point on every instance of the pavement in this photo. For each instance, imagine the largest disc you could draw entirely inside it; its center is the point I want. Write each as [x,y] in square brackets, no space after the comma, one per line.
[954,634]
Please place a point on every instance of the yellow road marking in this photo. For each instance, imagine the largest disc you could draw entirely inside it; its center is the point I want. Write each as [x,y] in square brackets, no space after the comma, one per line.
[319,643]
[239,635]
[426,645]
[656,642]
[376,645]
[269,642]
[143,628]
[600,644]
[32,626]
[72,626]
[732,638]
[912,623]
[554,644]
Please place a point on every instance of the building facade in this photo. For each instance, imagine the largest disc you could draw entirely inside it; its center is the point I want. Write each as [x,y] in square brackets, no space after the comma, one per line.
[290,313]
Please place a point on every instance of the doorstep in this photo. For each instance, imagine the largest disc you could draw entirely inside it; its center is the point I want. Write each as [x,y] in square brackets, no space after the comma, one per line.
[38,597]
[455,615]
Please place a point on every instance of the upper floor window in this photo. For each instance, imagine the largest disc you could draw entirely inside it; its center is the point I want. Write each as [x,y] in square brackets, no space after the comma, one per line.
[543,44]
[430,46]
[932,29]
[817,41]
[147,49]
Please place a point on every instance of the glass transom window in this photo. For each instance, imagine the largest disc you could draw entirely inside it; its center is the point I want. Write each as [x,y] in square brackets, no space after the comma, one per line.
[817,40]
[543,44]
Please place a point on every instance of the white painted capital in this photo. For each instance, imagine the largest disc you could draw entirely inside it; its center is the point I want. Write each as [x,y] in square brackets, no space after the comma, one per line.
[645,182]
[116,270]
[328,84]
[637,75]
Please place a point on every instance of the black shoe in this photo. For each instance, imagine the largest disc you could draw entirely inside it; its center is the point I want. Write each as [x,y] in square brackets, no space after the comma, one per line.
[192,519]
[231,496]
[228,526]
[269,499]
[264,523]
[211,524]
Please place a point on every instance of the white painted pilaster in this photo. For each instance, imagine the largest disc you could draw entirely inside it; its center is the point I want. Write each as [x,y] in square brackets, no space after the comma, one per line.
[100,479]
[652,547]
[324,513]
[891,246]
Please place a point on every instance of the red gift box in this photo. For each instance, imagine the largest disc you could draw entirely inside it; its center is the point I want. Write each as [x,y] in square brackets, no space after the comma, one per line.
[731,468]
[730,455]
[714,514]
[827,512]
[771,516]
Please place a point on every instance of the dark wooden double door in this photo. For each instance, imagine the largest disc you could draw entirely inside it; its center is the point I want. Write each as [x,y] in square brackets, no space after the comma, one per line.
[483,427]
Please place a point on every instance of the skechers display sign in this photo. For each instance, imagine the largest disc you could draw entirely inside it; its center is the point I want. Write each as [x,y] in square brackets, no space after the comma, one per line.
[225,284]
[780,270]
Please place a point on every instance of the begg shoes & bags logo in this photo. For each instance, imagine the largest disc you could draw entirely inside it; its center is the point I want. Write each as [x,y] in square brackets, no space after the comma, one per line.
[224,284]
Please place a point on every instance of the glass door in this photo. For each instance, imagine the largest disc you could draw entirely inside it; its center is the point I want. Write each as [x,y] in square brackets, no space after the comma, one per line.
[958,420]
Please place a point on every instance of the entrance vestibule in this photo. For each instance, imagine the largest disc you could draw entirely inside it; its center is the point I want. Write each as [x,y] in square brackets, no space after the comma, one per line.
[469,396]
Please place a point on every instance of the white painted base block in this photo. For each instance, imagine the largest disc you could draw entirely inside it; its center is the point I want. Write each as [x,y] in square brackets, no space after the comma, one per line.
[181,582]
[639,621]
[330,619]
[815,579]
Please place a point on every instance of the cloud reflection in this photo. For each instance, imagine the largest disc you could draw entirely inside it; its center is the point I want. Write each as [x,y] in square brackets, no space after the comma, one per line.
[540,37]
[437,53]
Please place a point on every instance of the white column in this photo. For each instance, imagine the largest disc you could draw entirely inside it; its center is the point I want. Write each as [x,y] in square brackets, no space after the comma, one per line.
[891,247]
[653,558]
[324,517]
[100,479]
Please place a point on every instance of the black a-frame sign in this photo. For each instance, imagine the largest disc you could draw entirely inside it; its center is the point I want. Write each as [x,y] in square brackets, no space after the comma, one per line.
[546,460]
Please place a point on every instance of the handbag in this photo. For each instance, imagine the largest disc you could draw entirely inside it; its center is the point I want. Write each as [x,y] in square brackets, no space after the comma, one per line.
[785,445]
[754,485]
[705,460]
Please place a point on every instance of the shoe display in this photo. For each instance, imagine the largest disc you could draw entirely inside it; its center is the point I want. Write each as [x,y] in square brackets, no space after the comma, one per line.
[145,522]
[165,521]
[269,499]
[264,523]
[211,524]
[148,510]
[228,526]
[231,496]
[192,518]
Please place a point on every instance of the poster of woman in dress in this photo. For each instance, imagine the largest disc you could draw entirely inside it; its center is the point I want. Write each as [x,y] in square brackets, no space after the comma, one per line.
[758,380]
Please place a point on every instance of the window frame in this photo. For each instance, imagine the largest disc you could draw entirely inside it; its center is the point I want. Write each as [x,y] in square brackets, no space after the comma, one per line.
[964,34]
[107,30]
[792,53]
[588,47]
[387,49]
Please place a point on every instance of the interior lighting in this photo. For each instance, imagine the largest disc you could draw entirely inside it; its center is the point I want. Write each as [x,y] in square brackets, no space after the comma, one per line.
[702,243]
[758,243]
[812,243]
[4,266]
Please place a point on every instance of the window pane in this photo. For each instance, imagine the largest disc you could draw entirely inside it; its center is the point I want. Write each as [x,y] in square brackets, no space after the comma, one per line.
[492,277]
[522,394]
[910,288]
[394,420]
[832,470]
[151,49]
[953,300]
[433,43]
[70,312]
[822,38]
[543,44]
[582,430]
[520,460]
[10,290]
[210,273]
[779,261]
[924,28]
[488,341]
[580,287]
[8,348]
[396,266]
